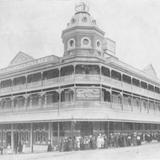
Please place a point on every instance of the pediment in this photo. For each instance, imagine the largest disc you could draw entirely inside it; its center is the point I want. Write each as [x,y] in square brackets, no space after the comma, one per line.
[150,71]
[20,58]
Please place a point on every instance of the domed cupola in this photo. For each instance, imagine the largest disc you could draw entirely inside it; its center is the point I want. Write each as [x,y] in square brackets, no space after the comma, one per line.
[82,35]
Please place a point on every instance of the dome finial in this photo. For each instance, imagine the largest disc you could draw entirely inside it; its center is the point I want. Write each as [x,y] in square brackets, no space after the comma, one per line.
[82,7]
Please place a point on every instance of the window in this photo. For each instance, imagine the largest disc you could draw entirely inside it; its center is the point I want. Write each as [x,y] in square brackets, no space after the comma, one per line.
[84,19]
[73,20]
[67,95]
[52,97]
[85,42]
[71,44]
[98,44]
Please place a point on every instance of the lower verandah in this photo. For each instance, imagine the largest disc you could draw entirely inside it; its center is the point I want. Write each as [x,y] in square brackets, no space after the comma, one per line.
[35,136]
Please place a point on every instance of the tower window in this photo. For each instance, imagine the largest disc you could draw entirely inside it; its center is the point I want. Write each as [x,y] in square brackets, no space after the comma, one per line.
[98,44]
[85,42]
[73,20]
[71,44]
[84,19]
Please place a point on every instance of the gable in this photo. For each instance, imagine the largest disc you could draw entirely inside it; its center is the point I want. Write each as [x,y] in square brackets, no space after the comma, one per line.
[21,57]
[150,71]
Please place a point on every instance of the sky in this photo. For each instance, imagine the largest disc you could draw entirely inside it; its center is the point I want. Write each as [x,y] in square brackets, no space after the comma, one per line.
[35,27]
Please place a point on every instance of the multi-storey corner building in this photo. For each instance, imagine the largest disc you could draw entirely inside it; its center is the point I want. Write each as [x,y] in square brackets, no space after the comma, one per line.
[87,91]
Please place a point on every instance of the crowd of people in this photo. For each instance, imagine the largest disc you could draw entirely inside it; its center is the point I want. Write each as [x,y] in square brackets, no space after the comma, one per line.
[100,141]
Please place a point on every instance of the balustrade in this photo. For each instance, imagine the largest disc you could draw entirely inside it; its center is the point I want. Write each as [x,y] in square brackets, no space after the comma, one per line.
[5,90]
[66,79]
[51,82]
[19,87]
[87,78]
[34,84]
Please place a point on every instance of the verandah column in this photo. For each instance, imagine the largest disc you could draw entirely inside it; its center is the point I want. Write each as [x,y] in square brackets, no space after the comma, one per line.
[12,137]
[50,132]
[31,137]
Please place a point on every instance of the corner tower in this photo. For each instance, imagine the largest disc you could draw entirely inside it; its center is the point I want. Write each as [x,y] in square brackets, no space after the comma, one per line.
[82,35]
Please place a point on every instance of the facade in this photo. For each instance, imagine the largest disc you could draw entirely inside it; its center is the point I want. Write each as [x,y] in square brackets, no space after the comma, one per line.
[86,92]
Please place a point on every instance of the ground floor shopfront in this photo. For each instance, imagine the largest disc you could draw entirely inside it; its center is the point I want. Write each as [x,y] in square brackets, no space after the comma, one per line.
[36,136]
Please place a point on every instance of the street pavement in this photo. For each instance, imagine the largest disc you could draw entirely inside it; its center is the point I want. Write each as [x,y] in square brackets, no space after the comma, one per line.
[145,152]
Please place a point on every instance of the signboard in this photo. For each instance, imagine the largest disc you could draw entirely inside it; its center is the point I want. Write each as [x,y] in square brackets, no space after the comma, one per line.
[109,46]
[88,93]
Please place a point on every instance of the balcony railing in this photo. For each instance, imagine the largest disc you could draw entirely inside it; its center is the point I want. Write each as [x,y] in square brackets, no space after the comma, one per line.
[86,78]
[19,87]
[67,79]
[34,84]
[6,90]
[51,82]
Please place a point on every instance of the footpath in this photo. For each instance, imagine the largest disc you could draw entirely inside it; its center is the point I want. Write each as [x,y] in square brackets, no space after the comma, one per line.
[146,151]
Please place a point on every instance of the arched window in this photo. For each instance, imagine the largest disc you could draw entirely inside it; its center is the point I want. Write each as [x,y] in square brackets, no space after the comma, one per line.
[33,100]
[67,95]
[52,97]
[71,44]
[6,103]
[19,102]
